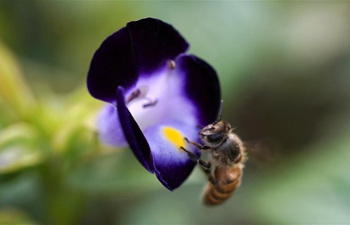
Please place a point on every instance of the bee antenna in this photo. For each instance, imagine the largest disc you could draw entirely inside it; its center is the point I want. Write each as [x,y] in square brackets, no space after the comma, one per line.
[220,112]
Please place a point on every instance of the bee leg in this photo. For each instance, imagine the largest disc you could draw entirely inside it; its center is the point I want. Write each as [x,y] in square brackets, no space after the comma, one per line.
[197,145]
[193,157]
[205,166]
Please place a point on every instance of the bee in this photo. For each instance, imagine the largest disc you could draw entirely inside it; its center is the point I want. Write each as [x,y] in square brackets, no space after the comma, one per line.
[227,154]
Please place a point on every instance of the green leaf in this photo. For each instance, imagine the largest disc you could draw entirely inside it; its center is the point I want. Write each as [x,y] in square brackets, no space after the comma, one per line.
[13,216]
[18,148]
[13,89]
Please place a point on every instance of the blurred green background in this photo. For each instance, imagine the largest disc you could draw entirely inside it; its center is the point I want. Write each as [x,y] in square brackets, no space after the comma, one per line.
[284,68]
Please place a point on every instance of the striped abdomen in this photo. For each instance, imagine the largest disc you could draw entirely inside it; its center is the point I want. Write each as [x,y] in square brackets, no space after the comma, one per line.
[227,180]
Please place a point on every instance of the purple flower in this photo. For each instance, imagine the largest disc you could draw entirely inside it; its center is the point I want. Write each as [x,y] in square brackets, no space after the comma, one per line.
[158,95]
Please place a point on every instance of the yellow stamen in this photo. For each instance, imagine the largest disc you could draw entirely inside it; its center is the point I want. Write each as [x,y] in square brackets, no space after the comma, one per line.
[174,136]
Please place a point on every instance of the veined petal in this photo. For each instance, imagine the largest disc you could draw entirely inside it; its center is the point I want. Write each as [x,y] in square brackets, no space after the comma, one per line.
[180,100]
[140,47]
[166,87]
[172,165]
[202,87]
[189,92]
[133,134]
[159,96]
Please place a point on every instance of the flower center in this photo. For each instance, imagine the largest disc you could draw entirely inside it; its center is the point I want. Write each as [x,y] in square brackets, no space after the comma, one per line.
[174,137]
[141,93]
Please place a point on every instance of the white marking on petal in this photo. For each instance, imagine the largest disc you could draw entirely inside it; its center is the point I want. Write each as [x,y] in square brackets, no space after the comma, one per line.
[166,96]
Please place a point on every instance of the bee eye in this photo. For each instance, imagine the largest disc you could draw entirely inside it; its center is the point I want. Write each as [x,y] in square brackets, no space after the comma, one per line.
[214,138]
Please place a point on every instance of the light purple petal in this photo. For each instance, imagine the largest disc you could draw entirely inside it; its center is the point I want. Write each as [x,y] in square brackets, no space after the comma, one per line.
[168,88]
[172,165]
[109,129]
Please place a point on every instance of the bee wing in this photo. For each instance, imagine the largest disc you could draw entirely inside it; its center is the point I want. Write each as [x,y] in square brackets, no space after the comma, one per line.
[263,152]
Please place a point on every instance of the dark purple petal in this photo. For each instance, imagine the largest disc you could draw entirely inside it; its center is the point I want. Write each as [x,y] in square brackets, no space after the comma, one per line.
[133,134]
[172,176]
[155,42]
[113,64]
[202,87]
[139,48]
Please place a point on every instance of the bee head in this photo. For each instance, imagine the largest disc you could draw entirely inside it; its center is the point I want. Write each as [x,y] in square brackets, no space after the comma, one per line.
[214,134]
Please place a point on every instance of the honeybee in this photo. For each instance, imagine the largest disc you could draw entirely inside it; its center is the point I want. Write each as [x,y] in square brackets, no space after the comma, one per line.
[228,155]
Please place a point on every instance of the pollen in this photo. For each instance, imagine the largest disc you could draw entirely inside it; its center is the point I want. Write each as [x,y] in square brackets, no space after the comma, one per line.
[171,64]
[174,136]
